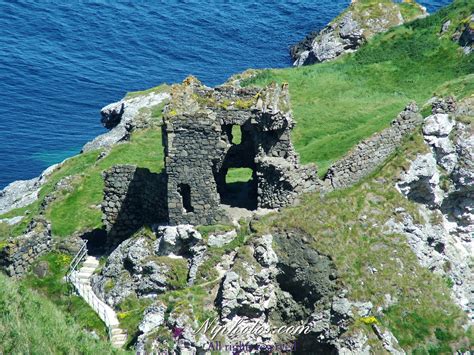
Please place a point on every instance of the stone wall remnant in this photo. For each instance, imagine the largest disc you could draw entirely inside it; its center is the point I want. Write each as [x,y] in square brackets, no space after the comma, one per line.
[132,197]
[366,156]
[208,131]
[200,148]
[20,252]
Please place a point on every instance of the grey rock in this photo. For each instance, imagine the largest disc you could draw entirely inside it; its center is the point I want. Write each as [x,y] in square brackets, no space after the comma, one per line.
[12,221]
[390,343]
[122,117]
[438,125]
[264,253]
[219,240]
[21,193]
[139,265]
[421,181]
[153,317]
[176,240]
[41,269]
[70,246]
[345,34]
[466,39]
[446,239]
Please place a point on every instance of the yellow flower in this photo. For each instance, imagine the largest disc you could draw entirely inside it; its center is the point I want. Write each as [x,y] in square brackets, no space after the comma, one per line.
[122,315]
[369,320]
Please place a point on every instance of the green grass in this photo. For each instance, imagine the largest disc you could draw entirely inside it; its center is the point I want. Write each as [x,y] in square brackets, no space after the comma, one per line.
[339,103]
[78,210]
[238,175]
[57,290]
[31,324]
[347,225]
[157,90]
[130,314]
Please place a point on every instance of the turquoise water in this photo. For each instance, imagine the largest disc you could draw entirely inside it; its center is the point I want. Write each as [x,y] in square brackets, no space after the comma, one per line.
[60,62]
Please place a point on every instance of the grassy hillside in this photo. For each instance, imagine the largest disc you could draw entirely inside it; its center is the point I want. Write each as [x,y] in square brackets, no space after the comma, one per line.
[347,225]
[336,104]
[30,324]
[77,210]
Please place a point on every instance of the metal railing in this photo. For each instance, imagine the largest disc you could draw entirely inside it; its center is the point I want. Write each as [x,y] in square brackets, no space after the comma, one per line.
[76,260]
[86,292]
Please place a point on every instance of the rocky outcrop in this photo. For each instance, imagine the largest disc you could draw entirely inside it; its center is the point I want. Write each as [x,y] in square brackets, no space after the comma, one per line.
[150,263]
[122,117]
[280,280]
[421,182]
[19,253]
[352,28]
[366,156]
[442,182]
[465,35]
[21,193]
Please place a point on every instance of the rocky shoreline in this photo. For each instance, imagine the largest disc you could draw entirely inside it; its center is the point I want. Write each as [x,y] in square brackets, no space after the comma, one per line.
[350,30]
[178,271]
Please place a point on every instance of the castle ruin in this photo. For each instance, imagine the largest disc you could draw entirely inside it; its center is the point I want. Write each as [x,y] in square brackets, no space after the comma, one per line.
[200,125]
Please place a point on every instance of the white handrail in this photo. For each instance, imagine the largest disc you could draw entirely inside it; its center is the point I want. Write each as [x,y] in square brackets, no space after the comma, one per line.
[87,293]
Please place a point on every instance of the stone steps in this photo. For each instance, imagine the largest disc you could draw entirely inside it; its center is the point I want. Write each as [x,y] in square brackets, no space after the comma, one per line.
[81,280]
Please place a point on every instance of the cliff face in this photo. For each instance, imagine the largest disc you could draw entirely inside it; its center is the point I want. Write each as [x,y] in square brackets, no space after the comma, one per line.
[362,20]
[393,245]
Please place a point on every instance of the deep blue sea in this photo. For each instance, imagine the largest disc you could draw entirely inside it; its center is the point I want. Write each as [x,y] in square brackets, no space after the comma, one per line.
[60,62]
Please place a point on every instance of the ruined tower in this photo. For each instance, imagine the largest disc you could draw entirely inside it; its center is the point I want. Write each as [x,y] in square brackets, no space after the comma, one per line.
[200,148]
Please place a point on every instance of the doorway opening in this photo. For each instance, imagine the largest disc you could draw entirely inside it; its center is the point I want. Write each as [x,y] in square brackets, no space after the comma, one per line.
[240,188]
[185,191]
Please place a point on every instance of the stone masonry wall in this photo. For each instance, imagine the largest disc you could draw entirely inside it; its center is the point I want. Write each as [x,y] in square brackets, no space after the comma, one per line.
[192,147]
[132,197]
[20,252]
[199,150]
[370,153]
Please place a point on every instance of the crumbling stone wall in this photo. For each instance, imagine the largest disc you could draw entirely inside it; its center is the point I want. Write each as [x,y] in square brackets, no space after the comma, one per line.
[199,149]
[132,197]
[198,128]
[20,252]
[366,156]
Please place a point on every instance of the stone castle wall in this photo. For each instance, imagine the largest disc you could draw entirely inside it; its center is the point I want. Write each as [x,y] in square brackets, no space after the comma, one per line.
[132,197]
[367,156]
[20,252]
[192,147]
[200,149]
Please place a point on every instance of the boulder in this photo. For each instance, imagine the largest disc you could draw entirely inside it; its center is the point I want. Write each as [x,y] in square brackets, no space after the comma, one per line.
[219,240]
[350,30]
[153,317]
[421,182]
[124,116]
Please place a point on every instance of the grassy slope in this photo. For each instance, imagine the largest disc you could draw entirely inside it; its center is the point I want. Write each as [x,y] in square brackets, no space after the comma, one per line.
[335,104]
[30,324]
[77,211]
[58,291]
[348,226]
[339,103]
